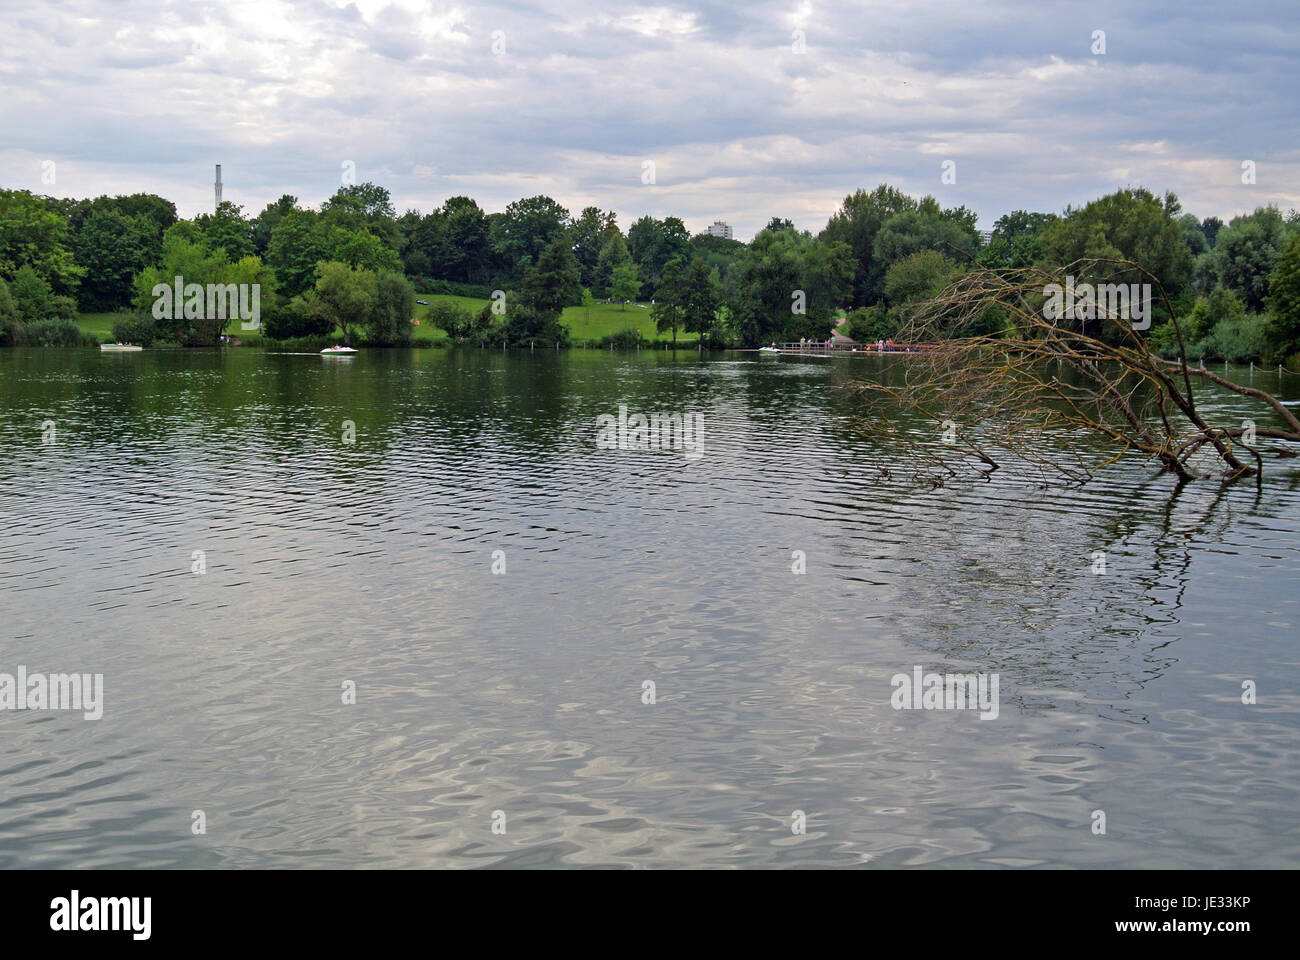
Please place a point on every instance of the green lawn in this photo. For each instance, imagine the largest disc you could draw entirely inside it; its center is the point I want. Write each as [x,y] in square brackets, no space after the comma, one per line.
[604,319]
[99,324]
[607,318]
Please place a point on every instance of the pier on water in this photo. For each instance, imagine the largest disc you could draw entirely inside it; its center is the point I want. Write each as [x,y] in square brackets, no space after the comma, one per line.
[839,348]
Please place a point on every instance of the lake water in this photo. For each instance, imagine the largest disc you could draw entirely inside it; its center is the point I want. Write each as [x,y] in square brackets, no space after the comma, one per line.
[371,563]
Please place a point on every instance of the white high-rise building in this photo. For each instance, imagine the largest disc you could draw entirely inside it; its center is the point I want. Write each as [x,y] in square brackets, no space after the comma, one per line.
[720,229]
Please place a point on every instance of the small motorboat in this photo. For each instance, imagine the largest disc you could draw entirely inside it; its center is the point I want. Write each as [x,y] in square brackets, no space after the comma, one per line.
[770,351]
[337,351]
[120,347]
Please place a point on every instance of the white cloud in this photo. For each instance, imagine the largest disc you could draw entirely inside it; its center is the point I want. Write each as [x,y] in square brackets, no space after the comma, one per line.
[740,127]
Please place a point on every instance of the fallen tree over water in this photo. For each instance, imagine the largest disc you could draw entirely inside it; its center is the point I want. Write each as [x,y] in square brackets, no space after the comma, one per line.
[1063,379]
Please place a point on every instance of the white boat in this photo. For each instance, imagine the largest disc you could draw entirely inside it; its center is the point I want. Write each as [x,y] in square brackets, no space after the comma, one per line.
[338,351]
[769,350]
[120,347]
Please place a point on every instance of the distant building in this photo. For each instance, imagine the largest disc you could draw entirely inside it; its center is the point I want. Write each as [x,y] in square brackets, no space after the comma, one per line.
[720,229]
[986,236]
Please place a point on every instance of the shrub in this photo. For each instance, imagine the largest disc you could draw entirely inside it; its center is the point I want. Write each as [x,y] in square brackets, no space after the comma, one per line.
[63,308]
[31,295]
[59,332]
[1237,341]
[297,318]
[389,323]
[135,328]
[457,321]
[451,288]
[628,339]
[869,324]
[308,344]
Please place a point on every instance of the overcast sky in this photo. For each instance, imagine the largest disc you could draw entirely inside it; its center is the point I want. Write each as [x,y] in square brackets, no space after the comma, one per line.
[146,95]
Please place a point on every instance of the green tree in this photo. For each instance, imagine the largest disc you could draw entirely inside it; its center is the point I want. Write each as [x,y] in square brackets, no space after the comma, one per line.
[613,255]
[465,241]
[552,284]
[866,325]
[700,307]
[1245,252]
[1021,223]
[766,287]
[587,236]
[423,243]
[198,322]
[1130,224]
[362,249]
[266,222]
[1193,235]
[369,201]
[299,317]
[157,210]
[296,245]
[669,309]
[457,321]
[1014,242]
[1211,226]
[526,229]
[390,314]
[643,239]
[919,277]
[33,299]
[719,253]
[1221,304]
[344,296]
[951,233]
[1283,331]
[828,272]
[625,283]
[415,262]
[227,230]
[112,248]
[363,206]
[788,283]
[35,233]
[856,223]
[652,243]
[8,316]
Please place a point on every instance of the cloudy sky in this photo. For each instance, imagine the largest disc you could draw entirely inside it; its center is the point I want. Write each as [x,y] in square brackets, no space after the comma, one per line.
[746,110]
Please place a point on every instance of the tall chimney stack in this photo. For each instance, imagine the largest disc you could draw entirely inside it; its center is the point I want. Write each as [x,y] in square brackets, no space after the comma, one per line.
[218,186]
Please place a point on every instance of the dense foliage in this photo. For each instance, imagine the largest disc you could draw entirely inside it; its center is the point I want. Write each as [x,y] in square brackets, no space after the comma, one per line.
[353,264]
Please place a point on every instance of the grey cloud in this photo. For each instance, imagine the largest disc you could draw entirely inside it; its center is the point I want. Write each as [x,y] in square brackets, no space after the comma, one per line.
[738,125]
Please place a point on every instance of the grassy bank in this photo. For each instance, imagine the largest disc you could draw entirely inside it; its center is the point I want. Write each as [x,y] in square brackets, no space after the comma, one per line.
[602,320]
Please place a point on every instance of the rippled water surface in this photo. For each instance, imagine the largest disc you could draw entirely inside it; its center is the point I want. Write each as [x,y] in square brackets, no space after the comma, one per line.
[372,562]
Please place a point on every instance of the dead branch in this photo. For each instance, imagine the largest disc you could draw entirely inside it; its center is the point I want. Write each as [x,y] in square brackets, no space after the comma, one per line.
[1065,393]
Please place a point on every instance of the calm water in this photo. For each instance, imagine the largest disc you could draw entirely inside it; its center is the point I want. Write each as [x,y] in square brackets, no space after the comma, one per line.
[521,692]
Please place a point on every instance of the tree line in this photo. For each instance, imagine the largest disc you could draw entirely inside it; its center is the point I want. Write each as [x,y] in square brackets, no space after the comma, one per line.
[354,264]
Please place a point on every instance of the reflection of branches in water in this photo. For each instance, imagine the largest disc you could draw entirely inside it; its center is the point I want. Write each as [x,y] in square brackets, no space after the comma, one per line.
[1025,603]
[1008,403]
